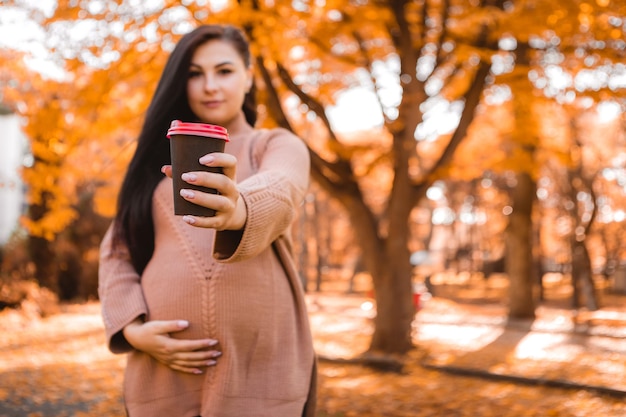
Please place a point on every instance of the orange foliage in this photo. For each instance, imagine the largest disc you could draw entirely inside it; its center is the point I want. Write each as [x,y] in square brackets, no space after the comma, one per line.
[82,129]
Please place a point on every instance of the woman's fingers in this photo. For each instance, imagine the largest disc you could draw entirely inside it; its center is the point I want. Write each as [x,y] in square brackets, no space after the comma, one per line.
[167,170]
[165,326]
[231,213]
[188,346]
[219,202]
[227,203]
[224,185]
[227,162]
[196,359]
[232,219]
[192,362]
[185,355]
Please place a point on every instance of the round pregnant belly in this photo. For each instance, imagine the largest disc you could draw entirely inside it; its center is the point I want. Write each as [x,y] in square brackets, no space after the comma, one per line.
[172,293]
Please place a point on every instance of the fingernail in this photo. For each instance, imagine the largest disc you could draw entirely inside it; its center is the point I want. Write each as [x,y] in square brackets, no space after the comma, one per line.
[163,168]
[197,371]
[212,342]
[189,177]
[189,219]
[183,323]
[206,159]
[210,362]
[216,354]
[187,193]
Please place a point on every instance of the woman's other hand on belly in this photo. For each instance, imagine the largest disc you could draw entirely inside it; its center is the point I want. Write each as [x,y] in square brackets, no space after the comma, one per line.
[184,355]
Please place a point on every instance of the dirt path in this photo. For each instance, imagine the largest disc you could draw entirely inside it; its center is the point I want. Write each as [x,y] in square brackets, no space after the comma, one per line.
[59,366]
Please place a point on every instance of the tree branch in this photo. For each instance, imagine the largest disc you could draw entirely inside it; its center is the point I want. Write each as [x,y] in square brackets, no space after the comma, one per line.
[472,99]
[369,65]
[311,102]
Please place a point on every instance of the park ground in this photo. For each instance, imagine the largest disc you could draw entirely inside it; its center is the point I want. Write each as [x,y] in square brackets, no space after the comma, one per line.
[469,360]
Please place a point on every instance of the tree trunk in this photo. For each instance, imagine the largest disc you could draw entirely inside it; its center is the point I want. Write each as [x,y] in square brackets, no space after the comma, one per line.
[322,237]
[582,279]
[394,310]
[392,281]
[519,256]
[41,252]
[394,297]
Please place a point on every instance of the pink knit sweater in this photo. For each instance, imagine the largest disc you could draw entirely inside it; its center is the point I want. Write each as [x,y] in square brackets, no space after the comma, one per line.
[235,287]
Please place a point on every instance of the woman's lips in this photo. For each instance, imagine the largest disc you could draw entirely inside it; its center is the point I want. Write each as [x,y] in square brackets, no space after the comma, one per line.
[211,104]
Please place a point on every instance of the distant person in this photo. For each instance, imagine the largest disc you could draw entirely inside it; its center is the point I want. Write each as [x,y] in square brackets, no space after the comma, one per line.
[210,309]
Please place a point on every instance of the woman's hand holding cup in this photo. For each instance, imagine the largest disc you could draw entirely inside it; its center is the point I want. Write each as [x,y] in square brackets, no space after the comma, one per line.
[230,209]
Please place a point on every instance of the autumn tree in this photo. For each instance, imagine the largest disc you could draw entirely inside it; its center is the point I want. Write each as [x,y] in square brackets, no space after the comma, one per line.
[565,55]
[585,38]
[77,134]
[385,39]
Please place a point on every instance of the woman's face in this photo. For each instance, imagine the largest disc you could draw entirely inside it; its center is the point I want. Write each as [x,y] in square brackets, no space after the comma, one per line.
[218,82]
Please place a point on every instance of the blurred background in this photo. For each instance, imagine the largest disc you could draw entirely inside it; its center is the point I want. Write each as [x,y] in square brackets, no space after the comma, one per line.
[455,144]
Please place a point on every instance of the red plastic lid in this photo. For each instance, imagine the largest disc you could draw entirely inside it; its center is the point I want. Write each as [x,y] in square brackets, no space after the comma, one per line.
[197,129]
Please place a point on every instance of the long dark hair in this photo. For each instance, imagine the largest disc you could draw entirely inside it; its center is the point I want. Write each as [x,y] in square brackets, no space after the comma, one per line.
[134,224]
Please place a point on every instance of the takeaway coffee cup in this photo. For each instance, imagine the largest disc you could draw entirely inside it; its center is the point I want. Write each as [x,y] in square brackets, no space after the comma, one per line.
[189,142]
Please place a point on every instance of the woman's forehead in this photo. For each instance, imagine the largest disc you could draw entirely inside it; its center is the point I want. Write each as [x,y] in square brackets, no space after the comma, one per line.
[216,52]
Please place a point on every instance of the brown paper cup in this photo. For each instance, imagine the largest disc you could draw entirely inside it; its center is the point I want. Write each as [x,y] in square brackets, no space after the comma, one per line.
[188,143]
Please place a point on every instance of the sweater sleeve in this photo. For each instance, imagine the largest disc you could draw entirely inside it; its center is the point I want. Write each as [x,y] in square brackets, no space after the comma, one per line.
[271,196]
[120,293]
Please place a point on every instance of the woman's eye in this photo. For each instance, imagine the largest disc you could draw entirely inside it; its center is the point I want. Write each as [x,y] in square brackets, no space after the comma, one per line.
[225,70]
[194,74]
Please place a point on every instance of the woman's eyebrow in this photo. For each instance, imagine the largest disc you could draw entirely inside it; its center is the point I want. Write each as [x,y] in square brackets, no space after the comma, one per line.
[221,64]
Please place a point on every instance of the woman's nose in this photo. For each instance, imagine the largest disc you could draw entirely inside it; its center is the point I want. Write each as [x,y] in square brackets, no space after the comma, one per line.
[210,83]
